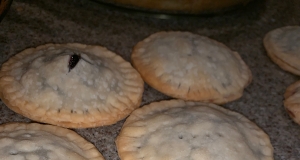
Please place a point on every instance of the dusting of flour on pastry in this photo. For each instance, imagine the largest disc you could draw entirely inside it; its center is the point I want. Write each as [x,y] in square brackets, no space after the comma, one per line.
[37,145]
[184,130]
[48,81]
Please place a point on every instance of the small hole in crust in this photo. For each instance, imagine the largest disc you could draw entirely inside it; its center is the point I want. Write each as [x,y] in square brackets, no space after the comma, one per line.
[180,137]
[58,110]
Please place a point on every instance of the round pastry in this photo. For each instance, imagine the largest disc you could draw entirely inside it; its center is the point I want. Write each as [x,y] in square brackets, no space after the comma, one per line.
[36,142]
[180,6]
[70,85]
[283,47]
[182,130]
[191,67]
[292,101]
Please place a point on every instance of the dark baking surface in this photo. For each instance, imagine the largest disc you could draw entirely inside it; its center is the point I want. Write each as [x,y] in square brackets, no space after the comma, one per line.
[32,23]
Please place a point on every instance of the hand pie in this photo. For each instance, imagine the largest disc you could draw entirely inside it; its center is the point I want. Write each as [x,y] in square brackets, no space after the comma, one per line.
[182,130]
[34,141]
[283,47]
[292,101]
[191,67]
[70,85]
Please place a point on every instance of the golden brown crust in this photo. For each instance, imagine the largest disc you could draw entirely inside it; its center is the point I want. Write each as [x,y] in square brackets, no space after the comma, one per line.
[116,107]
[88,150]
[292,101]
[196,90]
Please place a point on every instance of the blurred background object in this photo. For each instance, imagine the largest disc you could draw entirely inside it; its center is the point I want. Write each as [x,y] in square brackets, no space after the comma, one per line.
[179,6]
[4,7]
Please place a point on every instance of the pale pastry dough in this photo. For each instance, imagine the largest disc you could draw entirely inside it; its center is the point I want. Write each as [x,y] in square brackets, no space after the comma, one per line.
[32,141]
[283,47]
[180,130]
[191,67]
[100,90]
